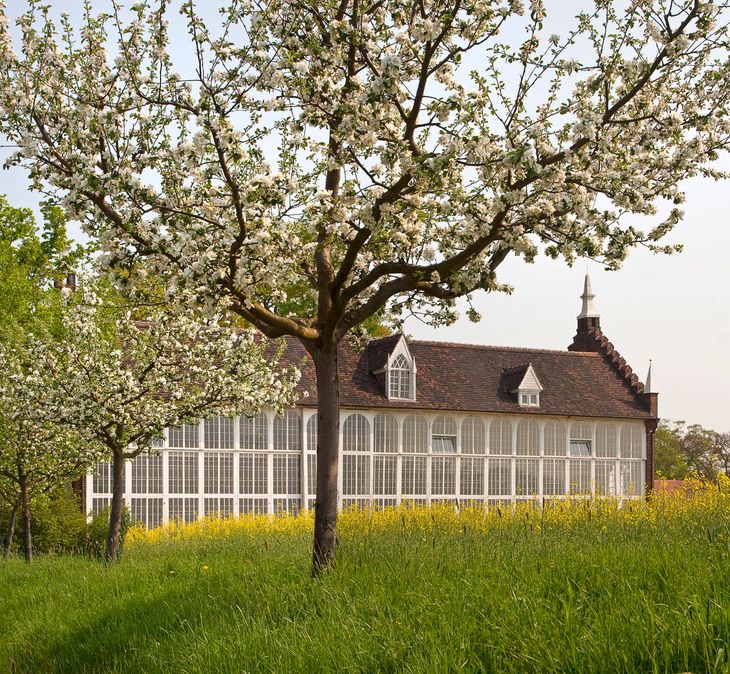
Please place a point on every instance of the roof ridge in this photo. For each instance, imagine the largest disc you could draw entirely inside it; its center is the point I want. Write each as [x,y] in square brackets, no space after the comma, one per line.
[494,347]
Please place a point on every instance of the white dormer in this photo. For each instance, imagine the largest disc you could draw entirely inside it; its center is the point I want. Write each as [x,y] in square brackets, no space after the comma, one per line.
[400,373]
[528,390]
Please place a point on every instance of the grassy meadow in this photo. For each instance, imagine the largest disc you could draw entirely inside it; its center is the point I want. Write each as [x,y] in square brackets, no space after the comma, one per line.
[583,586]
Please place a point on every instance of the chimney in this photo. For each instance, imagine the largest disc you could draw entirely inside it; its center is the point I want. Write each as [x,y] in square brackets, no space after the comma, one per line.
[589,321]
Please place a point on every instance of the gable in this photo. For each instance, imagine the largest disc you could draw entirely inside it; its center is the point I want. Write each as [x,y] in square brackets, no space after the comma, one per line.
[530,382]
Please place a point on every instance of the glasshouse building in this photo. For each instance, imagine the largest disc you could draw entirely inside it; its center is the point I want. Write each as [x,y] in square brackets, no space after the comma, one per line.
[422,422]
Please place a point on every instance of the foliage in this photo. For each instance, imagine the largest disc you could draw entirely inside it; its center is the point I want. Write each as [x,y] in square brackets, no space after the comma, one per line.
[681,449]
[30,260]
[670,462]
[582,586]
[58,524]
[97,531]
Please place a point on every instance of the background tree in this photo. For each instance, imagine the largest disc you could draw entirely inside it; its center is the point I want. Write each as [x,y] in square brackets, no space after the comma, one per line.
[707,451]
[31,259]
[119,382]
[670,460]
[387,155]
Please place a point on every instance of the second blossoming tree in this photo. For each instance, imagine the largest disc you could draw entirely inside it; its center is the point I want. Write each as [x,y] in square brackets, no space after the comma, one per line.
[119,382]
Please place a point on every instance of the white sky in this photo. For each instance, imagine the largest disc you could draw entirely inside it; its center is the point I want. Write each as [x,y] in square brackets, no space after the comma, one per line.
[672,309]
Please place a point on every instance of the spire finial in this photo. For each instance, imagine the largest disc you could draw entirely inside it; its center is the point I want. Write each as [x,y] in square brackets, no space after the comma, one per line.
[649,387]
[588,310]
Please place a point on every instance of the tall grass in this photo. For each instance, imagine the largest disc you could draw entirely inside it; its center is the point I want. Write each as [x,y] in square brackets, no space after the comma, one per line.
[585,586]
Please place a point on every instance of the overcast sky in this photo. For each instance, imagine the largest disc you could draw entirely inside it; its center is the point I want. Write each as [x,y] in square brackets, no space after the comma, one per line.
[674,309]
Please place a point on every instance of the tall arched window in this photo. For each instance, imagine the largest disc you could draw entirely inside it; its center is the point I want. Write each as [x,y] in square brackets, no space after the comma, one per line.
[356,456]
[473,436]
[415,435]
[632,441]
[399,378]
[255,432]
[443,435]
[356,434]
[528,438]
[385,430]
[500,436]
[554,442]
[288,431]
[605,440]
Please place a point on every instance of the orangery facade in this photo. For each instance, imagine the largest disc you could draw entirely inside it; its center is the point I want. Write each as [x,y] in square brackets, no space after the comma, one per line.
[421,423]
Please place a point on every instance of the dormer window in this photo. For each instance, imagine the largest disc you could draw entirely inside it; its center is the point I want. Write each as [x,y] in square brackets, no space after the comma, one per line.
[391,362]
[521,381]
[399,378]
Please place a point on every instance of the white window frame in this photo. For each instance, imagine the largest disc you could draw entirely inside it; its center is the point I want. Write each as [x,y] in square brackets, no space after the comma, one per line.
[400,350]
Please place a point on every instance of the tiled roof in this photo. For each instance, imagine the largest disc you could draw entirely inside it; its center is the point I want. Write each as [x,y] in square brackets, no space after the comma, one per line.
[468,378]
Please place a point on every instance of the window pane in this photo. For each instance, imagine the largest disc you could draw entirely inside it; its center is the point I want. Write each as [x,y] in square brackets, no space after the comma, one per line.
[385,475]
[183,472]
[312,434]
[500,477]
[253,473]
[413,479]
[580,448]
[415,434]
[287,474]
[606,478]
[528,438]
[473,436]
[526,477]
[288,432]
[554,439]
[500,436]
[443,475]
[553,477]
[443,445]
[605,439]
[580,476]
[254,432]
[356,434]
[385,430]
[102,483]
[355,475]
[632,441]
[472,476]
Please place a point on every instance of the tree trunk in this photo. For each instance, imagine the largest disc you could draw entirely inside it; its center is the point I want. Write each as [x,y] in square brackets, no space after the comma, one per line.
[10,532]
[25,506]
[113,542]
[328,426]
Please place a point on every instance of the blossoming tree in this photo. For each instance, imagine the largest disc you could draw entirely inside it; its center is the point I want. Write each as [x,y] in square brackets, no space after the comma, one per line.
[35,456]
[385,155]
[119,382]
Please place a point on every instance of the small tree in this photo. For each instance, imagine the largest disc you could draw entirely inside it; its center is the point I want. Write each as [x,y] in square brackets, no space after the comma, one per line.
[385,155]
[36,456]
[119,382]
